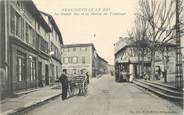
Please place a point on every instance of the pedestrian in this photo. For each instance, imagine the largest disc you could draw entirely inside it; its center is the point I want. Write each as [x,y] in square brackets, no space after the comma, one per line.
[87,77]
[82,75]
[64,81]
[159,72]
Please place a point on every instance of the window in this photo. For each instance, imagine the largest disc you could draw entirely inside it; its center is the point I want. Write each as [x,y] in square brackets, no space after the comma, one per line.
[43,45]
[56,35]
[74,49]
[34,38]
[74,60]
[37,41]
[65,49]
[83,49]
[55,49]
[83,60]
[57,52]
[70,49]
[19,61]
[32,69]
[52,32]
[38,28]
[57,72]
[18,25]
[31,34]
[19,4]
[22,28]
[52,46]
[66,60]
[27,33]
[52,70]
[21,66]
[12,19]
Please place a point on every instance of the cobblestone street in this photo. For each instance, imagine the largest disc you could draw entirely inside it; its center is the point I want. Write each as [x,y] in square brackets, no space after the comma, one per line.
[106,97]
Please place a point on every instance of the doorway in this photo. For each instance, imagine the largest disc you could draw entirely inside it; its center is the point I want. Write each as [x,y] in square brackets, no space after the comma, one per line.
[46,74]
[40,81]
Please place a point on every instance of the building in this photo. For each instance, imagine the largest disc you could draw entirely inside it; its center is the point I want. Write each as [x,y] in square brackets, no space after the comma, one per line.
[102,65]
[25,47]
[55,43]
[122,42]
[125,53]
[170,57]
[110,68]
[76,57]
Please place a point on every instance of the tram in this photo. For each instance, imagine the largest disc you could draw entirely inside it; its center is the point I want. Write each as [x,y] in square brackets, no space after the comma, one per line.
[121,72]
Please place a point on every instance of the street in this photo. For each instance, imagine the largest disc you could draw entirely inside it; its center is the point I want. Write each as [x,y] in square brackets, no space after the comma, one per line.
[106,97]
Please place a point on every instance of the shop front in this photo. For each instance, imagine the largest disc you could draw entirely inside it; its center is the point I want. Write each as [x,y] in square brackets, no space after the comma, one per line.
[23,68]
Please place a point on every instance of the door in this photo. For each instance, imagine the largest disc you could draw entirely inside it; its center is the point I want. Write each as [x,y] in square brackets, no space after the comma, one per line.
[46,74]
[21,73]
[40,82]
[135,70]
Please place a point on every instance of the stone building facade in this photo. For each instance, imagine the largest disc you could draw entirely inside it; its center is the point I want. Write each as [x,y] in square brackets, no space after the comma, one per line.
[76,57]
[25,47]
[127,55]
[55,43]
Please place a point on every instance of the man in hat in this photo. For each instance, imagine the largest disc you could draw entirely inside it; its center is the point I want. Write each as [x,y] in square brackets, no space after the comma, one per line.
[64,81]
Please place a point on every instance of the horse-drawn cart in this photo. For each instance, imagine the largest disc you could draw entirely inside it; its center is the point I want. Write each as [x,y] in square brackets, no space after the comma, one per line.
[78,83]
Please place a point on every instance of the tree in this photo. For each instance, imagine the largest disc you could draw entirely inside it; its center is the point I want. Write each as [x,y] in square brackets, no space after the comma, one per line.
[158,14]
[181,16]
[139,40]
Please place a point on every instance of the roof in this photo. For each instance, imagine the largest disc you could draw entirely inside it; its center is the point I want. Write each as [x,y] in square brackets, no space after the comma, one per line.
[78,45]
[51,19]
[123,48]
[35,12]
[134,45]
[102,59]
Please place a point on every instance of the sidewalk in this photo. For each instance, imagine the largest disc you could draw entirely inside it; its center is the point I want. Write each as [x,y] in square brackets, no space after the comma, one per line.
[170,80]
[17,104]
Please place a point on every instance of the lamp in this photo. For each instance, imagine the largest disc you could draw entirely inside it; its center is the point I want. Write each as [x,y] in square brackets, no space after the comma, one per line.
[51,53]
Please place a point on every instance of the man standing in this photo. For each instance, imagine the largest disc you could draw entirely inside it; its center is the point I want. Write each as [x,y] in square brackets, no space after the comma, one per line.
[87,77]
[64,81]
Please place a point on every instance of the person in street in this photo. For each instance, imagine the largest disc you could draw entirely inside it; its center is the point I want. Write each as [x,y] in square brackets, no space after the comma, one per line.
[82,74]
[64,81]
[87,77]
[147,74]
[158,73]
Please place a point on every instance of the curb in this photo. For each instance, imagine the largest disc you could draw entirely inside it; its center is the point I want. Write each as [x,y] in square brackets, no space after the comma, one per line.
[162,95]
[25,92]
[29,106]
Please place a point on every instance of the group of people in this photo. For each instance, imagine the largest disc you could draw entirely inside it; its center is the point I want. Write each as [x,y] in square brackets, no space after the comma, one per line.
[65,82]
[159,73]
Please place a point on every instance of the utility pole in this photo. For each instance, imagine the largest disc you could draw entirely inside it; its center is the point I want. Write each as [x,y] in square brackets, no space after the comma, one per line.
[179,71]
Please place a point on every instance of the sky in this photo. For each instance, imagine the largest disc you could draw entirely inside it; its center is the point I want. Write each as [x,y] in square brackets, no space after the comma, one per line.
[112,19]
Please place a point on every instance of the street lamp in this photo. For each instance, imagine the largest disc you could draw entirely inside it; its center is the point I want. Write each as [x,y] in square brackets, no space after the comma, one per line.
[51,53]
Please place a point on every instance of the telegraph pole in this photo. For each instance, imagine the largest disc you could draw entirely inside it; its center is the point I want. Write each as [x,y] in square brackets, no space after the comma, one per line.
[179,71]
